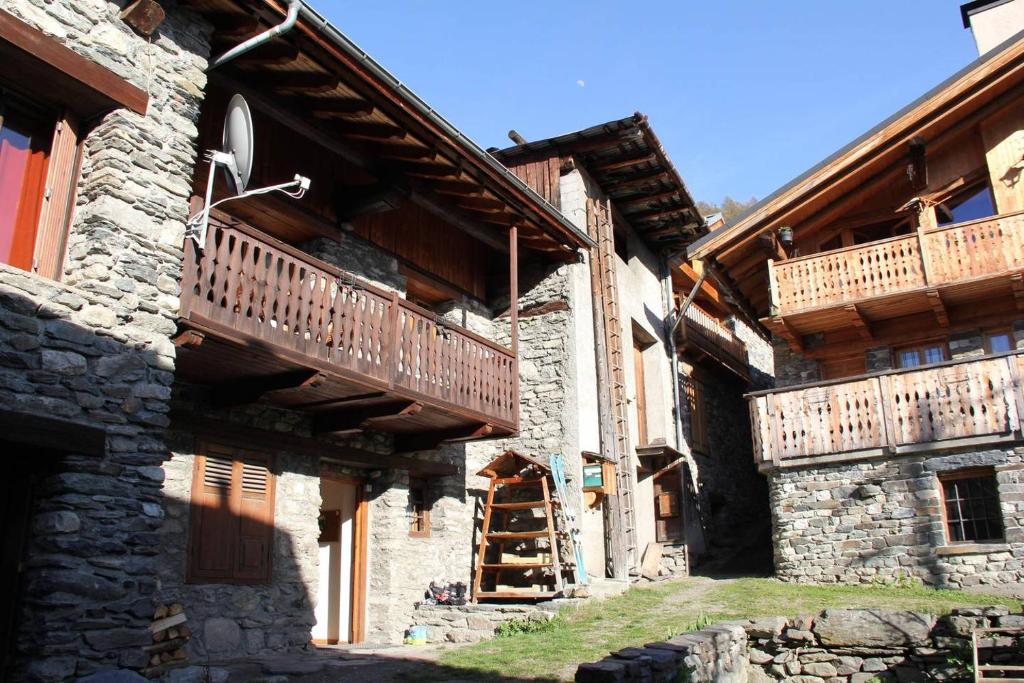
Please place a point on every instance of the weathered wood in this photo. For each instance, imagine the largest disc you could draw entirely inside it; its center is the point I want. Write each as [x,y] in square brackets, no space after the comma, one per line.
[240,392]
[52,433]
[356,418]
[898,411]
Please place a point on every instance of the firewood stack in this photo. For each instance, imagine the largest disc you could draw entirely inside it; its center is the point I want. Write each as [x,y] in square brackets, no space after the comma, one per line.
[170,636]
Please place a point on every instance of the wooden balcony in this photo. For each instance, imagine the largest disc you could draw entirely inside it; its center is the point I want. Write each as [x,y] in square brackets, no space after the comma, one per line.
[702,334]
[262,319]
[929,270]
[947,405]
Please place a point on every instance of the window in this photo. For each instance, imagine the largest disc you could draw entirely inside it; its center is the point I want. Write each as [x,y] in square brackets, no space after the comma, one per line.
[971,504]
[694,392]
[968,205]
[998,342]
[419,509]
[914,356]
[641,392]
[38,155]
[231,535]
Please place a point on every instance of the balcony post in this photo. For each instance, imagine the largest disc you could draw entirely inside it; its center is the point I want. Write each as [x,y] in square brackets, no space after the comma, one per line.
[773,288]
[1017,404]
[513,297]
[888,425]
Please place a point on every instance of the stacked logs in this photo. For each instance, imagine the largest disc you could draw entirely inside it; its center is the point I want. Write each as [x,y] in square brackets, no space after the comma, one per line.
[170,636]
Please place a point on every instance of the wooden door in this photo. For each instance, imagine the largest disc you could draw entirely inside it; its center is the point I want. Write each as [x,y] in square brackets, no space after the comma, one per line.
[641,394]
[668,507]
[340,599]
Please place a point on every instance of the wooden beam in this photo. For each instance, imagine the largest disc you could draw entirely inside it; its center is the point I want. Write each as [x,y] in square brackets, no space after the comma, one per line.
[189,339]
[332,108]
[938,307]
[483,203]
[38,431]
[358,418]
[656,213]
[370,131]
[276,52]
[644,179]
[265,439]
[648,198]
[386,151]
[376,198]
[242,392]
[31,59]
[1017,283]
[783,329]
[859,322]
[300,82]
[621,163]
[428,441]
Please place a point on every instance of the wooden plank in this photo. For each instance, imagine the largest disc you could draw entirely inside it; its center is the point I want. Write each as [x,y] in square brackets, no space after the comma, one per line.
[31,57]
[167,622]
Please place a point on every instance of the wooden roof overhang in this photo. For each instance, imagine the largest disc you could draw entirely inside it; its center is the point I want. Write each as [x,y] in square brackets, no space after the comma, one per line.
[317,82]
[627,160]
[739,252]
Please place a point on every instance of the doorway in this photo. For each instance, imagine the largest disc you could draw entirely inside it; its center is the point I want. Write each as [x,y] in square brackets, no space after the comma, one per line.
[340,600]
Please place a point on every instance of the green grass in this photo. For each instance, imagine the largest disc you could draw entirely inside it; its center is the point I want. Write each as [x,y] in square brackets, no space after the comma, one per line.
[643,615]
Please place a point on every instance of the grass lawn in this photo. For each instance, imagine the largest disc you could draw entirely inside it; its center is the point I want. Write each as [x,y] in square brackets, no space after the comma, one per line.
[643,615]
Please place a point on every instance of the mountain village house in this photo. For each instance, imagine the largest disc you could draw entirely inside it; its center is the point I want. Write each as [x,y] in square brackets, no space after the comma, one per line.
[265,426]
[890,277]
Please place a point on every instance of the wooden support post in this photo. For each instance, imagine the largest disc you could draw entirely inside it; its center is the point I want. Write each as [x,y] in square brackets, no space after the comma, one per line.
[1017,283]
[885,401]
[1017,404]
[513,294]
[773,288]
[938,307]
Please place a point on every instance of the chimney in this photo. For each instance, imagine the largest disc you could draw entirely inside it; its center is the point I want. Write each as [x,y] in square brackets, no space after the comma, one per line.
[992,21]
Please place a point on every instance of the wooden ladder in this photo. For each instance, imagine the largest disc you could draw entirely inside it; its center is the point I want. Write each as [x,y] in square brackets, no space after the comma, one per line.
[503,535]
[1008,640]
[612,400]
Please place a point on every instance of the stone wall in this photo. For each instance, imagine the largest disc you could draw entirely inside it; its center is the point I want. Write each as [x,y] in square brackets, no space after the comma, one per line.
[473,623]
[95,349]
[873,521]
[838,646]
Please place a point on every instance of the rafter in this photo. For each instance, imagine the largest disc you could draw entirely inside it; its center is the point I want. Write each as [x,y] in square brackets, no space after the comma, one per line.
[621,163]
[428,441]
[241,392]
[859,322]
[358,418]
[938,307]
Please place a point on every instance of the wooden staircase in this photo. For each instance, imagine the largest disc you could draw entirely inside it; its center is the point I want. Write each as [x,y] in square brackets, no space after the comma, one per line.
[620,514]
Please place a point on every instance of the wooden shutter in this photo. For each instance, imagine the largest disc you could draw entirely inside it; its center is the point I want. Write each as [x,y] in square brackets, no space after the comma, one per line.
[232,520]
[694,391]
[59,198]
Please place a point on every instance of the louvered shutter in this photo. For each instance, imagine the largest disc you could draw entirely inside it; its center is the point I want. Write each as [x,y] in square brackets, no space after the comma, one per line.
[253,547]
[232,519]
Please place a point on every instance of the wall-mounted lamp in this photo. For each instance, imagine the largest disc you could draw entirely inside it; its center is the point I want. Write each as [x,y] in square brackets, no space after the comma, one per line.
[786,236]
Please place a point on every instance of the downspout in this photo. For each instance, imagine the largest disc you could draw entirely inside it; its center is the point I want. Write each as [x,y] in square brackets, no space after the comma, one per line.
[256,41]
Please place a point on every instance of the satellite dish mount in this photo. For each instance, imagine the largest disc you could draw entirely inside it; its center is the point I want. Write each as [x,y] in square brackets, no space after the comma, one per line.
[235,160]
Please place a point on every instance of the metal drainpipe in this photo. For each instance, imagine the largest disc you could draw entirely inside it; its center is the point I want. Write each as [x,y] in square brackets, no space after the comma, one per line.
[674,356]
[256,41]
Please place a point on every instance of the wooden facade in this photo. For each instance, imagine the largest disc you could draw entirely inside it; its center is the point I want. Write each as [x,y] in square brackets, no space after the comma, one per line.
[905,249]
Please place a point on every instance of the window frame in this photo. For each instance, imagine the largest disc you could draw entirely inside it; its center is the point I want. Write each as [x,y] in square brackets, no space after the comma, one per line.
[57,184]
[959,475]
[920,349]
[419,521]
[194,573]
[995,332]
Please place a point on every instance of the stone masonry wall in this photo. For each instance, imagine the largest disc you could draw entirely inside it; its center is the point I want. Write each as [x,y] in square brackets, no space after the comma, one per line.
[96,348]
[876,521]
[837,645]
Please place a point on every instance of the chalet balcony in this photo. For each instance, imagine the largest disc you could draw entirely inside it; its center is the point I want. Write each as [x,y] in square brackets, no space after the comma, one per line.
[263,320]
[948,405]
[702,334]
[932,270]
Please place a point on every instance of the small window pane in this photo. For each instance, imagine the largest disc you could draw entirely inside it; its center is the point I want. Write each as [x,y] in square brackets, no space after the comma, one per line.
[973,204]
[934,354]
[972,508]
[998,343]
[909,358]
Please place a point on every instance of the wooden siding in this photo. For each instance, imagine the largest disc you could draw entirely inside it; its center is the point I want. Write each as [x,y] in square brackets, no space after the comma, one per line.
[543,176]
[293,304]
[947,405]
[934,258]
[427,242]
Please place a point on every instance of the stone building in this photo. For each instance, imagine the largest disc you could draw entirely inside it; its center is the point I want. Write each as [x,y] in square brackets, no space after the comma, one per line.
[267,425]
[618,172]
[890,278]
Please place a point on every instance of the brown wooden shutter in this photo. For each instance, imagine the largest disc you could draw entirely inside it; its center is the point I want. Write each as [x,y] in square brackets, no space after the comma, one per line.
[255,519]
[232,522]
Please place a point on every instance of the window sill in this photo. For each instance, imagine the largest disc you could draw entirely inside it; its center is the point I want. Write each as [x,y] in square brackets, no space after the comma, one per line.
[971,549]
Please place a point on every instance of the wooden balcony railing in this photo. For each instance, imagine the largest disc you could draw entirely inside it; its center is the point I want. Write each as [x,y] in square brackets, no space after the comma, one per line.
[932,258]
[703,331]
[304,308]
[948,405]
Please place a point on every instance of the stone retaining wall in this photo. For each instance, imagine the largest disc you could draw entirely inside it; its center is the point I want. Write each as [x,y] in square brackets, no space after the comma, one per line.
[472,623]
[837,646]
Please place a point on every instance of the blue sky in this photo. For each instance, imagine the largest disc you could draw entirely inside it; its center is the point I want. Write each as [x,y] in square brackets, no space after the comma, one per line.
[744,95]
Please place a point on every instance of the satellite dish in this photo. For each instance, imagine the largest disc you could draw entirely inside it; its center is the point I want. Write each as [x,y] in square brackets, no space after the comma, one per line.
[237,143]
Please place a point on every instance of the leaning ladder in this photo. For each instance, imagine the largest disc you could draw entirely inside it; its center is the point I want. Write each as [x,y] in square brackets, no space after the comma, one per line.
[989,639]
[612,374]
[567,517]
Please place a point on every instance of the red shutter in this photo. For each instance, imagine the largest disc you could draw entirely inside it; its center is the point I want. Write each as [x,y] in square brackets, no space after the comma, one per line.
[232,522]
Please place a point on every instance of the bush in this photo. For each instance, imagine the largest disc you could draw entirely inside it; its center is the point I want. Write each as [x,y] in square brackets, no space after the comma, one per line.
[515,627]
